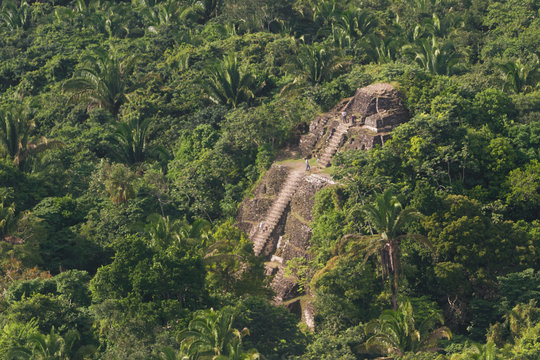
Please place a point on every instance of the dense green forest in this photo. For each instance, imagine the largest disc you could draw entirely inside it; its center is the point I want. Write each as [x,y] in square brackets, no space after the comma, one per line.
[130,131]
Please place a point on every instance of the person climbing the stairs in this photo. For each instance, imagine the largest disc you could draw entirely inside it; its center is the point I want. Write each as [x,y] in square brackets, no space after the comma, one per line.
[344,116]
[307,164]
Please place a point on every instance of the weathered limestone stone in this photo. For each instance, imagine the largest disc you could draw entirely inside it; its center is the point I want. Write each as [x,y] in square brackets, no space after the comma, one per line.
[378,109]
[297,229]
[252,210]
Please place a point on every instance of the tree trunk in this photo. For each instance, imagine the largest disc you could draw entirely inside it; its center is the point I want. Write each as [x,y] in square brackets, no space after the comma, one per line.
[393,285]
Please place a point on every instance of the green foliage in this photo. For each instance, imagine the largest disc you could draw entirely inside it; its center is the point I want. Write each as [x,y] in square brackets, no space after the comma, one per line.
[50,346]
[101,81]
[28,288]
[211,334]
[150,274]
[395,332]
[73,286]
[389,219]
[480,352]
[345,294]
[7,219]
[345,345]
[231,85]
[131,137]
[16,125]
[524,189]
[15,335]
[520,77]
[317,63]
[58,212]
[15,16]
[434,57]
[467,72]
[273,330]
[516,288]
[50,311]
[493,108]
[465,236]
[232,267]
[119,182]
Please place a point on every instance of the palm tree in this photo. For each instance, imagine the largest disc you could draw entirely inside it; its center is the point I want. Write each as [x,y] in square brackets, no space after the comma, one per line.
[131,137]
[317,63]
[168,12]
[163,231]
[478,352]
[435,26]
[210,335]
[380,49]
[395,332]
[230,85]
[16,125]
[520,77]
[207,8]
[101,81]
[118,180]
[350,27]
[47,347]
[170,354]
[434,57]
[325,12]
[423,6]
[357,23]
[341,38]
[15,17]
[388,218]
[8,220]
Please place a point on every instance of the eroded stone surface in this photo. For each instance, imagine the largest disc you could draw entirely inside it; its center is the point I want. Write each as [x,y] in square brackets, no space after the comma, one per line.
[378,110]
[253,210]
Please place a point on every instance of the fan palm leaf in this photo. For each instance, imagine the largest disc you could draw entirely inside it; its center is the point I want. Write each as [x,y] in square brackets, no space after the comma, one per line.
[210,335]
[16,125]
[395,332]
[101,81]
[228,84]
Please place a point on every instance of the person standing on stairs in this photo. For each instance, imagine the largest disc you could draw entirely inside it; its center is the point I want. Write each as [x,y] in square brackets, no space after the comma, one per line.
[344,116]
[307,164]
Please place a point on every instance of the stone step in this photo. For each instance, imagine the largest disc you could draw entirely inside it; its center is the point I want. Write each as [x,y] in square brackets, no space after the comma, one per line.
[333,145]
[277,209]
[275,212]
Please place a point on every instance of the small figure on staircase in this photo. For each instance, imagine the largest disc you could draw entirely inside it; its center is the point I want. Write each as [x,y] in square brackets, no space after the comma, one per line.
[307,164]
[344,116]
[353,119]
[261,226]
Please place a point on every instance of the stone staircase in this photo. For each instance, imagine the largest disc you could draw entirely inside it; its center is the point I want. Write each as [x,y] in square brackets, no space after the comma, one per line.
[278,285]
[333,144]
[275,213]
